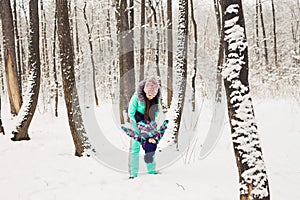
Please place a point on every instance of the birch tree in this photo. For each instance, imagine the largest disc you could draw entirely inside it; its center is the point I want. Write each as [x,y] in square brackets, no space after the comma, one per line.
[79,135]
[31,97]
[246,143]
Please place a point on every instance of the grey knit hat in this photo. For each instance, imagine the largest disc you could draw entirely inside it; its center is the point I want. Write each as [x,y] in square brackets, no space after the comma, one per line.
[151,86]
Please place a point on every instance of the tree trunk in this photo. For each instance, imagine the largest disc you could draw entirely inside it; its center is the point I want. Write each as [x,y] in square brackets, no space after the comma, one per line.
[1,127]
[91,53]
[218,95]
[157,37]
[257,30]
[274,33]
[18,66]
[248,152]
[264,33]
[54,65]
[10,57]
[126,57]
[29,105]
[68,78]
[142,39]
[180,69]
[195,57]
[170,53]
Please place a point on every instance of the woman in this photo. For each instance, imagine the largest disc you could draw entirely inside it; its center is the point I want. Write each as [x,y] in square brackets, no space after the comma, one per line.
[143,105]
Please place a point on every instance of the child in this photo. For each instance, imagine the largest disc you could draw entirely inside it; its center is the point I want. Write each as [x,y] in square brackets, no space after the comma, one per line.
[148,136]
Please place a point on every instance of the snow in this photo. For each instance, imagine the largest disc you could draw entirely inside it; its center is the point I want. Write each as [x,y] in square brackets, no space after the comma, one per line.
[45,167]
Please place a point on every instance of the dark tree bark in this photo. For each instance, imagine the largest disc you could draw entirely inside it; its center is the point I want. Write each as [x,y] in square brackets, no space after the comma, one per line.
[54,65]
[89,30]
[29,105]
[1,127]
[68,78]
[247,149]
[18,53]
[181,67]
[14,91]
[257,30]
[142,41]
[264,33]
[274,33]
[170,53]
[218,96]
[157,36]
[126,57]
[195,56]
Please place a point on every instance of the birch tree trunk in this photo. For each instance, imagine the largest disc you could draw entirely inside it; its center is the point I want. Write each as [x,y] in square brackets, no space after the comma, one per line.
[31,96]
[14,91]
[246,143]
[180,70]
[79,135]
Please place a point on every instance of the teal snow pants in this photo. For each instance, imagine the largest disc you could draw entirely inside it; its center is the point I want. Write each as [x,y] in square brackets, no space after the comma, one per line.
[134,160]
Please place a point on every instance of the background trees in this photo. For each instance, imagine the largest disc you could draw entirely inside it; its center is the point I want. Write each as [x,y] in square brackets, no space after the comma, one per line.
[111,45]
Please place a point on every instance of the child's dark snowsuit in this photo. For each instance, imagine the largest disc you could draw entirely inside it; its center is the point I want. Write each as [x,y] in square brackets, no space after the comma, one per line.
[147,130]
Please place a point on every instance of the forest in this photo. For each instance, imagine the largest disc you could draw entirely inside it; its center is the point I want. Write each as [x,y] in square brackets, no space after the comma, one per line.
[80,55]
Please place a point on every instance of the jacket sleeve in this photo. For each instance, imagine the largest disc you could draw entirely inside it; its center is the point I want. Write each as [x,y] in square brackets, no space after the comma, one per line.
[131,133]
[162,129]
[132,107]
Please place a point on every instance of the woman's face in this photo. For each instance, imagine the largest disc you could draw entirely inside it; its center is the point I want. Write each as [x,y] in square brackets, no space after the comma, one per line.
[149,96]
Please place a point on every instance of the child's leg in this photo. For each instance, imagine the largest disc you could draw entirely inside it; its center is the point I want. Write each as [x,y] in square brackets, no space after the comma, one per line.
[134,158]
[151,166]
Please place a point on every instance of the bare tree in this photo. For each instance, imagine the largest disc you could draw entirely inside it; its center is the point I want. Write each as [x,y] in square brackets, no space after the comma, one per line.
[170,53]
[142,41]
[263,32]
[31,97]
[195,56]
[274,33]
[79,135]
[1,127]
[246,143]
[18,53]
[54,65]
[89,30]
[14,91]
[218,96]
[126,59]
[180,70]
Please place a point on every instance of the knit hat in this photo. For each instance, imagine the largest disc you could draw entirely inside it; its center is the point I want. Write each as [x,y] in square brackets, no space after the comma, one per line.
[151,86]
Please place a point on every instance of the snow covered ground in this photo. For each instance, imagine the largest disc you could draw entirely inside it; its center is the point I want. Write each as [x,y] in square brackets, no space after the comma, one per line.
[45,167]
